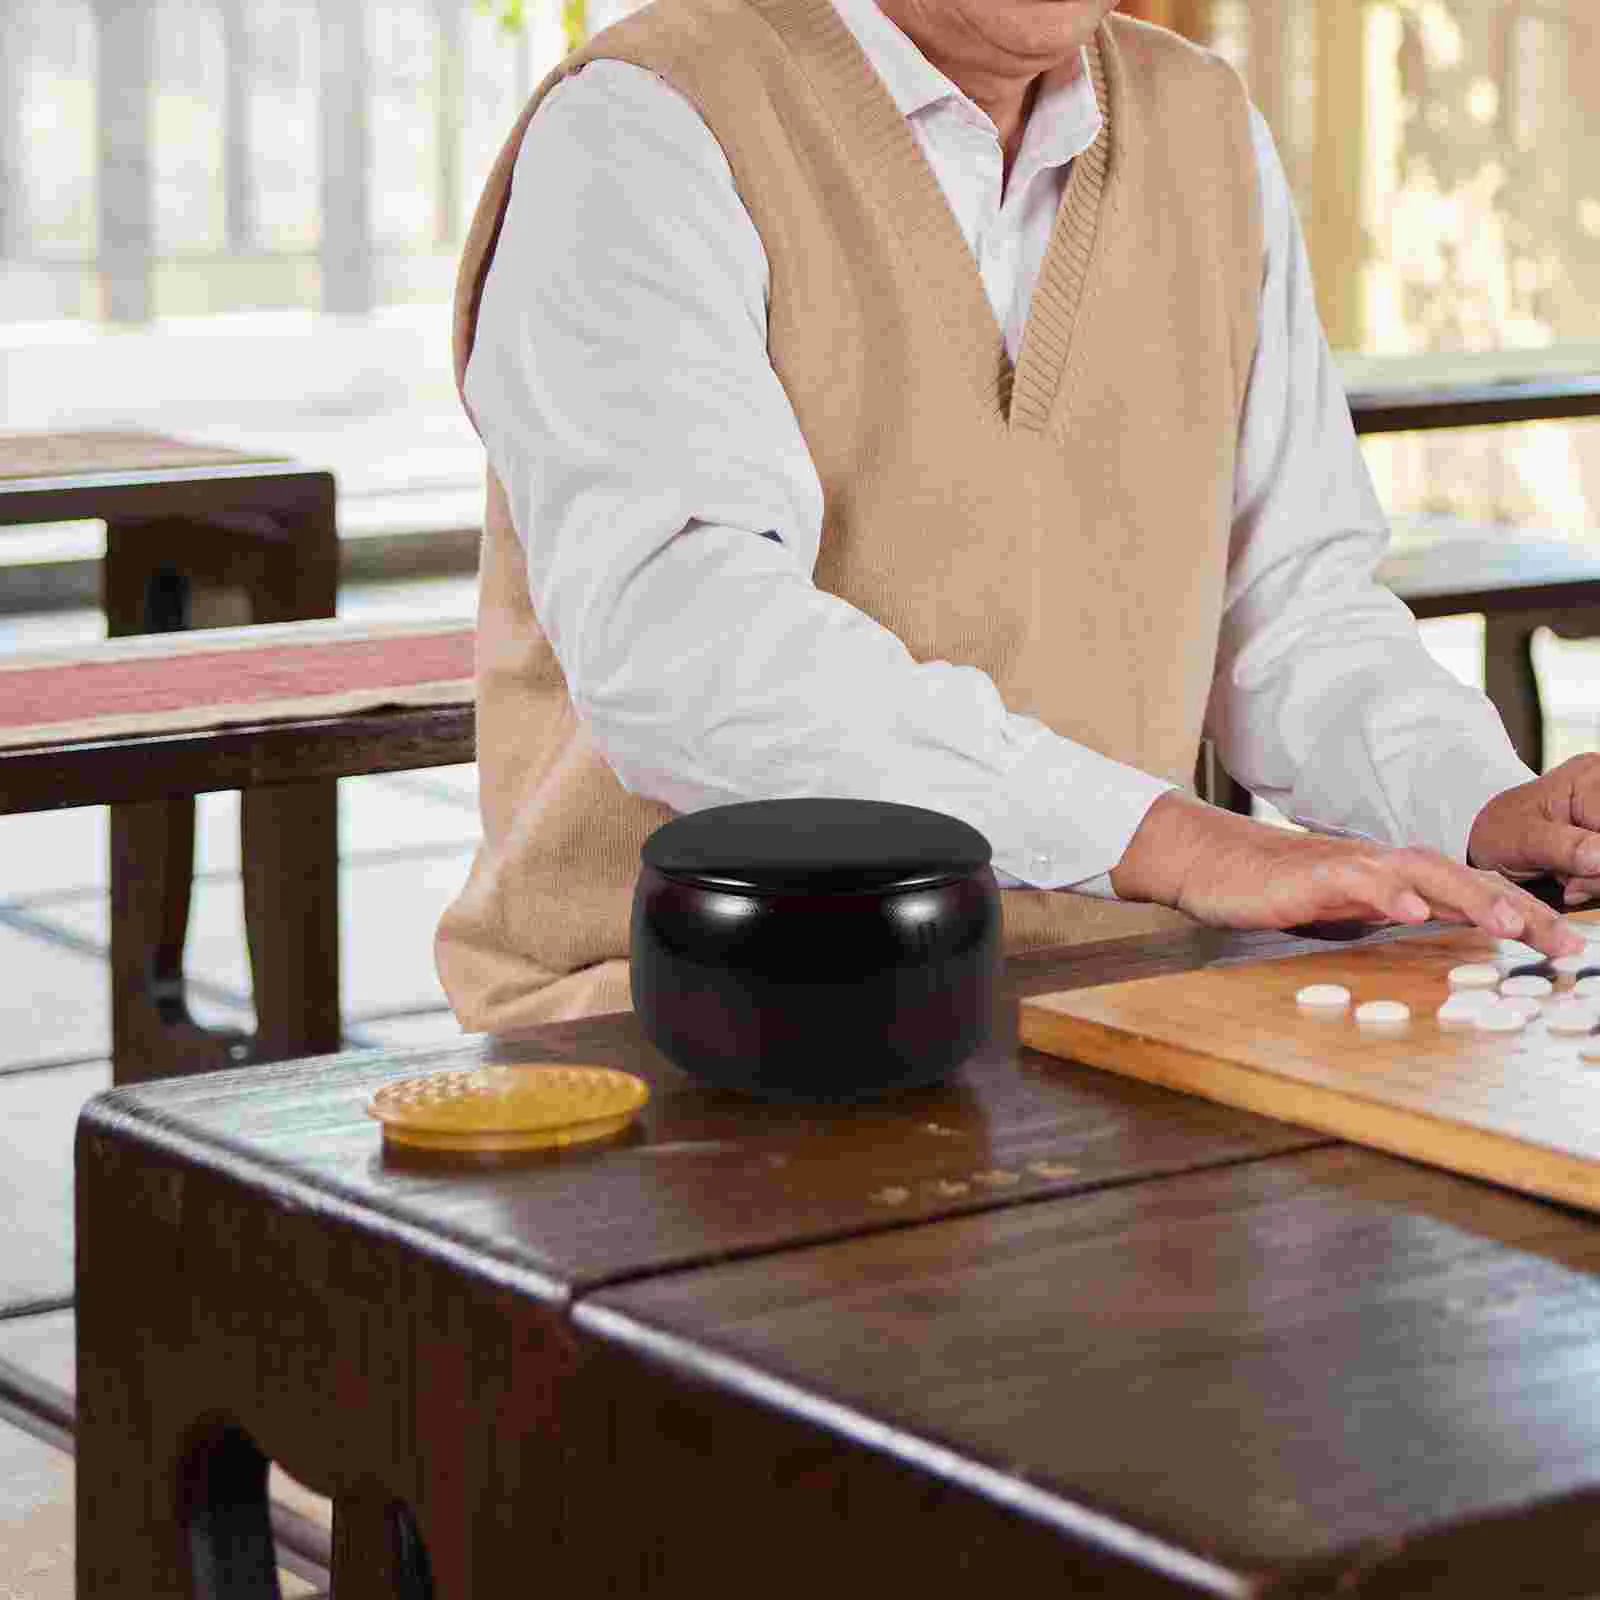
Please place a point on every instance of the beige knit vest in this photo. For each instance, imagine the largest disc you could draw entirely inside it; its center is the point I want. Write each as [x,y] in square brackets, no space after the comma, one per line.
[1063,527]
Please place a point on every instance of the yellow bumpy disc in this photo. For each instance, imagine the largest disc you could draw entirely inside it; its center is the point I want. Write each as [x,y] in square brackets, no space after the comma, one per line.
[508,1108]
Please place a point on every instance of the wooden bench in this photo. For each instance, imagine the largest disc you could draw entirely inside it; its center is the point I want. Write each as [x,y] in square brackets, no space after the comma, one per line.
[279,712]
[196,536]
[1519,583]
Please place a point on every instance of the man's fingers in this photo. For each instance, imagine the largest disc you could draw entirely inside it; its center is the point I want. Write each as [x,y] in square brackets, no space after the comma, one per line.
[1546,929]
[1561,848]
[1490,902]
[1409,906]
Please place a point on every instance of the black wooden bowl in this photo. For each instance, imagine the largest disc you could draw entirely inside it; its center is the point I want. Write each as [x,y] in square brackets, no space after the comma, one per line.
[816,949]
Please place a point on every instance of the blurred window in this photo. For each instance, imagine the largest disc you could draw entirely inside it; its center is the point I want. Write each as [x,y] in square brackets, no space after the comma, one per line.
[294,178]
[1445,160]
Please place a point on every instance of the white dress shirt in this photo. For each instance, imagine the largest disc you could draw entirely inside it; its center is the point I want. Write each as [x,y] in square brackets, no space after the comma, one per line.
[621,383]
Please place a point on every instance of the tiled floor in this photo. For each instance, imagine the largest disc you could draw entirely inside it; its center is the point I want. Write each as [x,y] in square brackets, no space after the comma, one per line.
[406,842]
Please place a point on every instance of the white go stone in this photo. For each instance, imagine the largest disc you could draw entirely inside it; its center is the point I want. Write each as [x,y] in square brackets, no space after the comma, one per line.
[1527,987]
[1527,1009]
[1461,1007]
[1576,1017]
[1475,975]
[1383,1011]
[1500,1019]
[1319,995]
[1570,966]
[1513,952]
[1589,988]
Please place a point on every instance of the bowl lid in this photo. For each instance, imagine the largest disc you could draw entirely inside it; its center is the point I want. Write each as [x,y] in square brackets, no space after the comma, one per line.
[818,845]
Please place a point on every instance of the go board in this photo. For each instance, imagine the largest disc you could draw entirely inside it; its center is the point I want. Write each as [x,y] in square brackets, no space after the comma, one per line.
[1520,1108]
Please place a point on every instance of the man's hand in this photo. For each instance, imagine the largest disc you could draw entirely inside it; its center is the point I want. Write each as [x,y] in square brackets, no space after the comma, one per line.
[1231,872]
[1548,825]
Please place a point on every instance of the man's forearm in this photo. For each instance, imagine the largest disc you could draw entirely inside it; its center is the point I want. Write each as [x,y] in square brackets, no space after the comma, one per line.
[1159,855]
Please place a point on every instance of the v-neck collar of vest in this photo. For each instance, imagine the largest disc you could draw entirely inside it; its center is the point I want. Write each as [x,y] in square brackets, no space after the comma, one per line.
[1020,399]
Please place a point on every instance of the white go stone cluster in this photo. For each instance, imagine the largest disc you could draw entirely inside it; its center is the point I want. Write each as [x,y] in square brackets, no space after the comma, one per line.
[1484,995]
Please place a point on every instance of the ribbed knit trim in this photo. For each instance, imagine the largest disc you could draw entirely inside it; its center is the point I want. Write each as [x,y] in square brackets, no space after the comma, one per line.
[1053,313]
[897,175]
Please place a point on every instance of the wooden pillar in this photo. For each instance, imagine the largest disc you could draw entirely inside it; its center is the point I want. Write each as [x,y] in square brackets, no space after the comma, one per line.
[1269,65]
[123,91]
[346,191]
[1191,18]
[238,190]
[1335,230]
[13,225]
[450,101]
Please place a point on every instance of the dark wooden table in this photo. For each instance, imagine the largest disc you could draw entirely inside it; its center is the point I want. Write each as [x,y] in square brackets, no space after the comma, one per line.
[1042,1324]
[197,536]
[1401,407]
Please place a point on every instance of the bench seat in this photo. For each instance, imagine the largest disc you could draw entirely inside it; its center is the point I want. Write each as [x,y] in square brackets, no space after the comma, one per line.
[274,710]
[152,715]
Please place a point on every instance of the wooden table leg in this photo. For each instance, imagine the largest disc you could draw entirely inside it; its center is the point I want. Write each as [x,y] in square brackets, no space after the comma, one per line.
[1509,679]
[170,1505]
[377,1552]
[230,1527]
[219,1325]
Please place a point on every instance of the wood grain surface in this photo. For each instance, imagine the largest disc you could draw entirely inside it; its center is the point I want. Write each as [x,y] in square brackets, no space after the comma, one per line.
[1183,1350]
[1334,1374]
[704,1173]
[258,1282]
[1522,1109]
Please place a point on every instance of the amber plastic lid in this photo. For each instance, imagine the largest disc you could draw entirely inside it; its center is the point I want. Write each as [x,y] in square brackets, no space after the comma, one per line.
[529,1107]
[817,845]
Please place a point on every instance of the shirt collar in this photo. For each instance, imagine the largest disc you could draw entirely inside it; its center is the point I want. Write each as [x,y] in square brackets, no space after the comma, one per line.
[1065,119]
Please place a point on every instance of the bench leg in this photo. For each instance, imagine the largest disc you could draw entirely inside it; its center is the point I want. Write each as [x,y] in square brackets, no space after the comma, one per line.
[1509,679]
[152,873]
[289,844]
[164,577]
[152,868]
[289,853]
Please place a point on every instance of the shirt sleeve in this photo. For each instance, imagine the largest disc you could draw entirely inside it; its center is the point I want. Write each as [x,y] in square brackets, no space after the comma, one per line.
[1326,702]
[671,515]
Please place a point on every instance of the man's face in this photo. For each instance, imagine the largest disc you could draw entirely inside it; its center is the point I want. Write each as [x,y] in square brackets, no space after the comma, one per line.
[1003,37]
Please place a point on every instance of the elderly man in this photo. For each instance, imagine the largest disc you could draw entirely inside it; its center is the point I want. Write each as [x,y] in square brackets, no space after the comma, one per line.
[924,400]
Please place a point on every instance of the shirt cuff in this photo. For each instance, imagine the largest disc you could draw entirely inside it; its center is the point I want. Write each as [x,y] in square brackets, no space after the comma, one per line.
[1460,781]
[1069,813]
